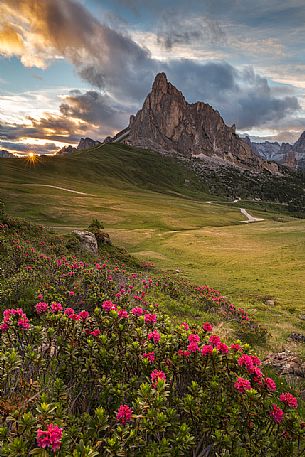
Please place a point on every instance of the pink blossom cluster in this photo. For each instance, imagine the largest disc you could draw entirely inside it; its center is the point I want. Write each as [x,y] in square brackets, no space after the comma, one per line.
[289,400]
[150,356]
[156,376]
[11,316]
[242,385]
[277,414]
[154,336]
[50,437]
[124,414]
[109,306]
[150,318]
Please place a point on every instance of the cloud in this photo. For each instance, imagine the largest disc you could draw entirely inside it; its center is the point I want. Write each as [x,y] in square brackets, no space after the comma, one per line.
[242,96]
[44,148]
[175,29]
[123,70]
[49,127]
[52,28]
[81,114]
[97,109]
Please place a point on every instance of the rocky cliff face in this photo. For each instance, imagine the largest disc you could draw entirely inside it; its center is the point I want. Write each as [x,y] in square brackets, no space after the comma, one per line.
[168,123]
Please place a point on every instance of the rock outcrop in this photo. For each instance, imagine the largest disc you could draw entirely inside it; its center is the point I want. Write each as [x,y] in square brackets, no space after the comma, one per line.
[286,363]
[87,240]
[66,150]
[167,123]
[4,154]
[84,143]
[87,143]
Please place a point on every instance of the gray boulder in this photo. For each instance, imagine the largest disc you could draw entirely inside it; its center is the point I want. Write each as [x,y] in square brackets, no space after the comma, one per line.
[88,240]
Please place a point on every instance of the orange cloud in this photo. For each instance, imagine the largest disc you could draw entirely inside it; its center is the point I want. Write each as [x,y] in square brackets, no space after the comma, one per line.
[10,40]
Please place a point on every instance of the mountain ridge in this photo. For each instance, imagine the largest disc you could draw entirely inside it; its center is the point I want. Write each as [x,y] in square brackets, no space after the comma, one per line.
[290,155]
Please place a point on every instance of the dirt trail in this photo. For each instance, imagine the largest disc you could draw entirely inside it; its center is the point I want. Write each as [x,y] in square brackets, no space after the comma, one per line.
[64,189]
[250,218]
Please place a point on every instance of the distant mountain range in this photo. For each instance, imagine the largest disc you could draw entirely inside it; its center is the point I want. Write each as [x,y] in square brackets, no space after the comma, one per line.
[291,155]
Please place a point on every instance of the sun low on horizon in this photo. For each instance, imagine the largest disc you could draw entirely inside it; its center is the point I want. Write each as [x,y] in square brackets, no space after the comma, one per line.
[80,68]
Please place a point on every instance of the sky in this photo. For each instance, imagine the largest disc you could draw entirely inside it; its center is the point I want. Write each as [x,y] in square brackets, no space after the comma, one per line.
[76,68]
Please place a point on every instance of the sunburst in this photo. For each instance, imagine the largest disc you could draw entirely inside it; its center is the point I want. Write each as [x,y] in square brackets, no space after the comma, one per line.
[32,158]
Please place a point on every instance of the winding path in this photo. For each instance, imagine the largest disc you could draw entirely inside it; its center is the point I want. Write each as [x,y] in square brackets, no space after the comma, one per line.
[250,218]
[63,188]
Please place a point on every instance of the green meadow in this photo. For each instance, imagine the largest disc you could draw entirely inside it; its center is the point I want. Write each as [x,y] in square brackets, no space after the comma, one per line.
[162,213]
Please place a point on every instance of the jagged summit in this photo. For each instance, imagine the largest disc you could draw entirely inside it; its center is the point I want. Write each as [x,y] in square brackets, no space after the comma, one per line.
[169,124]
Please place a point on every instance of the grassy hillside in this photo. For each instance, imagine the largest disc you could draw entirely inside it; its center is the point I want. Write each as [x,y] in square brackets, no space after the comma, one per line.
[91,364]
[161,212]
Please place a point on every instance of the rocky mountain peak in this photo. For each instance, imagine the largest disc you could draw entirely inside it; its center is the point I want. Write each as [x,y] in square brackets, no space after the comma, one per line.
[167,123]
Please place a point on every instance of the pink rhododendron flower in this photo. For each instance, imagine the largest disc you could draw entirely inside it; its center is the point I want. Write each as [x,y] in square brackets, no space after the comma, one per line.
[95,332]
[50,437]
[183,353]
[69,312]
[223,348]
[123,314]
[150,356]
[257,373]
[277,414]
[150,318]
[256,360]
[124,414]
[41,307]
[193,347]
[108,306]
[242,385]
[289,400]
[154,336]
[236,347]
[245,361]
[24,323]
[71,293]
[83,315]
[193,338]
[270,384]
[56,307]
[214,340]
[8,319]
[207,349]
[4,327]
[207,327]
[157,376]
[137,311]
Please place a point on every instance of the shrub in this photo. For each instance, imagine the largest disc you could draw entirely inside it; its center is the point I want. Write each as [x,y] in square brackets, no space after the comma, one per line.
[70,377]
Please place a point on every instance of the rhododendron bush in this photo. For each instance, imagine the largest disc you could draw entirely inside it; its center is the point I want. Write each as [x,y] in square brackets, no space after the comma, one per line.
[117,383]
[90,365]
